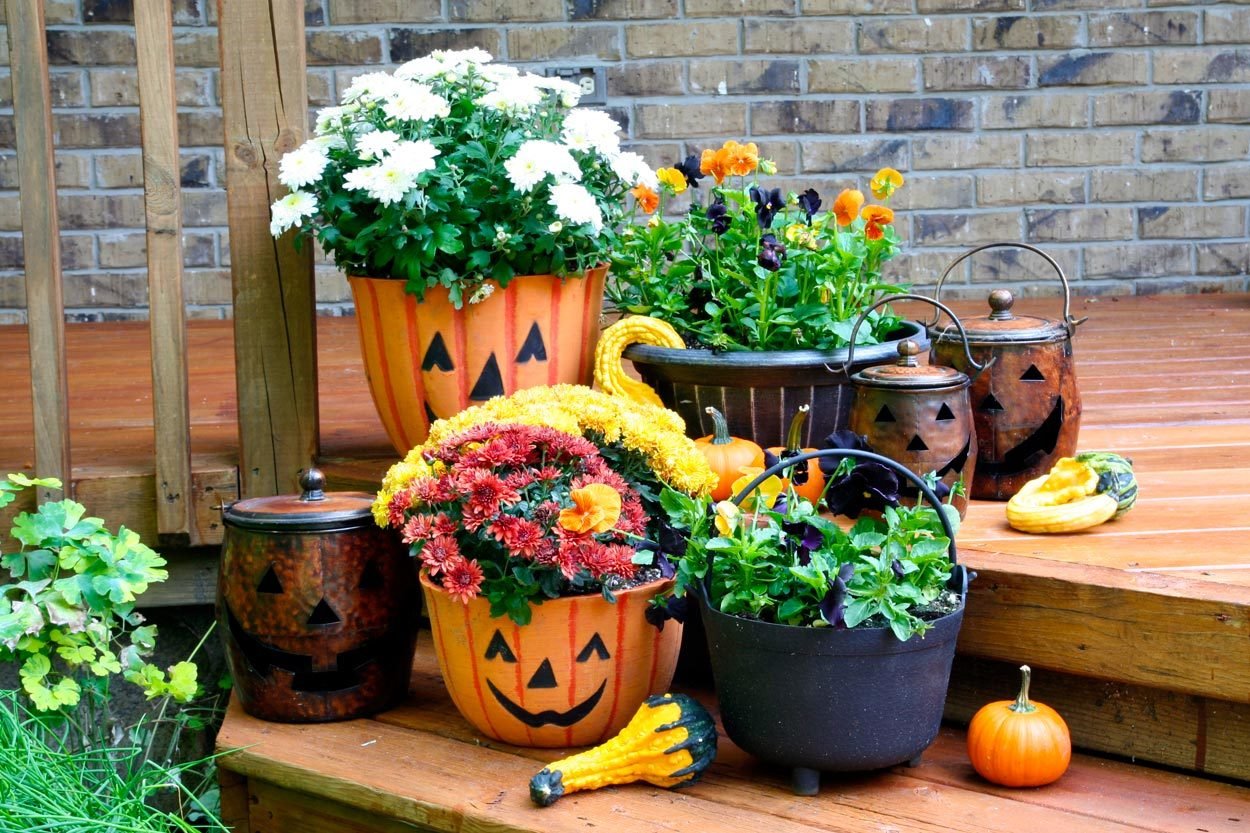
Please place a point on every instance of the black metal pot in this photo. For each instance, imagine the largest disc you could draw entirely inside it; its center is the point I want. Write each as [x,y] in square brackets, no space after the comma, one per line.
[822,699]
[759,391]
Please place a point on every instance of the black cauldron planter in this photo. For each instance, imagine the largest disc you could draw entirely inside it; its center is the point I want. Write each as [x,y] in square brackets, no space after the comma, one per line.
[833,700]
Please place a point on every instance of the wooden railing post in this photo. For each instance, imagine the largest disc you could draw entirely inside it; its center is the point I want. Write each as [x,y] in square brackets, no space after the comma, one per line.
[265,107]
[162,201]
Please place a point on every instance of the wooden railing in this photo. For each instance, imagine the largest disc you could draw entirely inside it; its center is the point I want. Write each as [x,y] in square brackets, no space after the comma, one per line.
[264,102]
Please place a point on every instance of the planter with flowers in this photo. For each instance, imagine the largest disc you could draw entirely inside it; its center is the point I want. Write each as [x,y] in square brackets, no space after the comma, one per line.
[531,517]
[765,289]
[472,208]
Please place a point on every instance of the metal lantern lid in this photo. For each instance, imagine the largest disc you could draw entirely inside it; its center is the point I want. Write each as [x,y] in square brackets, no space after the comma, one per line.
[908,374]
[310,511]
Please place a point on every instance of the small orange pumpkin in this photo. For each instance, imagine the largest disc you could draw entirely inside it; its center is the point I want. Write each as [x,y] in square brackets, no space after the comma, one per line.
[1019,743]
[727,455]
[814,486]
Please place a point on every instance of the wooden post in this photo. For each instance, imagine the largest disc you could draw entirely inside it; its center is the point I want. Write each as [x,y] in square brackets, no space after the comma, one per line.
[264,103]
[162,202]
[45,308]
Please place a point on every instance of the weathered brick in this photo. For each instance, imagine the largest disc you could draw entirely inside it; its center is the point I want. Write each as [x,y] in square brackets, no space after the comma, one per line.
[1187,285]
[332,47]
[1041,110]
[120,87]
[1133,260]
[315,13]
[106,289]
[199,128]
[952,228]
[1226,25]
[1190,222]
[123,249]
[1064,5]
[531,43]
[744,76]
[389,11]
[82,47]
[902,115]
[10,212]
[186,12]
[1072,149]
[818,7]
[999,266]
[862,75]
[407,44]
[980,72]
[920,267]
[1029,187]
[199,249]
[938,6]
[1224,258]
[800,37]
[84,211]
[783,153]
[207,286]
[1228,106]
[204,208]
[196,48]
[1140,184]
[66,86]
[645,79]
[805,117]
[671,121]
[729,8]
[1195,144]
[1090,68]
[854,155]
[663,40]
[125,170]
[504,11]
[1142,28]
[73,170]
[952,152]
[320,88]
[84,130]
[1063,225]
[621,9]
[1226,182]
[939,34]
[658,154]
[926,193]
[1202,66]
[1059,31]
[77,252]
[1171,107]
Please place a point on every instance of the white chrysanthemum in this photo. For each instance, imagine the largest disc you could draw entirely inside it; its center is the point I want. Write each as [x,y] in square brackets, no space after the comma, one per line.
[387,181]
[575,204]
[420,69]
[330,141]
[377,144]
[460,57]
[291,211]
[568,92]
[499,72]
[537,158]
[372,85]
[328,118]
[517,96]
[415,102]
[302,166]
[415,157]
[633,169]
[591,129]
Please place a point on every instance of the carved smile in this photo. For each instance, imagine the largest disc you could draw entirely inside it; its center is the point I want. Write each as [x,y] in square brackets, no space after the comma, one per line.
[1030,451]
[264,657]
[956,464]
[562,719]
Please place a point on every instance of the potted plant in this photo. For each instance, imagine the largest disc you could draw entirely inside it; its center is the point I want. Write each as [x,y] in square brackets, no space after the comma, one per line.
[764,288]
[530,518]
[472,208]
[831,648]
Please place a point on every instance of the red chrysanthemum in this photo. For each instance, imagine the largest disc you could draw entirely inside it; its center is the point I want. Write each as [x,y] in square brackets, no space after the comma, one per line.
[399,505]
[444,525]
[484,492]
[521,537]
[438,553]
[463,580]
[418,528]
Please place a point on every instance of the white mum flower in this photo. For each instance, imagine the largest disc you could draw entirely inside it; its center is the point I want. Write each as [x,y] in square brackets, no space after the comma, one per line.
[516,96]
[420,69]
[330,141]
[633,169]
[387,181]
[575,204]
[568,92]
[328,118]
[302,166]
[415,157]
[460,57]
[376,144]
[499,72]
[537,158]
[415,102]
[291,211]
[371,85]
[591,129]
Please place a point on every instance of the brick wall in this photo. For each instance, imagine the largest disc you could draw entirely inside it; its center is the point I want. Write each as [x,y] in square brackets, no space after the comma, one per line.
[1112,133]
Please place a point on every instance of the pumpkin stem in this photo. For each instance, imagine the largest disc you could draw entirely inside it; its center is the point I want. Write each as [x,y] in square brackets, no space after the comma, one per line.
[794,437]
[720,428]
[1022,704]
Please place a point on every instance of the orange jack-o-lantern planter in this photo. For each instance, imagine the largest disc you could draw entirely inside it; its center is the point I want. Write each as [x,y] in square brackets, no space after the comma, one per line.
[317,606]
[426,359]
[573,676]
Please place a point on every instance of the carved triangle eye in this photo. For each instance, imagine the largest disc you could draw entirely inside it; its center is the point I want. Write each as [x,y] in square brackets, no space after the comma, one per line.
[269,582]
[436,355]
[534,349]
[323,614]
[490,383]
[498,647]
[885,414]
[917,444]
[1032,375]
[945,413]
[594,646]
[989,403]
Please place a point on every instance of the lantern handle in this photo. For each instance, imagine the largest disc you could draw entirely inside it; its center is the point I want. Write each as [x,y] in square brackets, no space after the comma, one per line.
[1069,322]
[942,308]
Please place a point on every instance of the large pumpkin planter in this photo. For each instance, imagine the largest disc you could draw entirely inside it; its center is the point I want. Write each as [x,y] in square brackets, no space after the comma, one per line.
[573,676]
[426,359]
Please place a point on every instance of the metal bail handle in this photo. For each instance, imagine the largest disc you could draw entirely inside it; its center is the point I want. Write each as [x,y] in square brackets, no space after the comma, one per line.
[1068,321]
[850,353]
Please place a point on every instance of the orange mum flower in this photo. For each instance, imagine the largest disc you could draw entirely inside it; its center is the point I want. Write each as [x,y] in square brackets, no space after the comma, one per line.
[885,183]
[596,508]
[713,163]
[846,206]
[648,200]
[876,216]
[740,160]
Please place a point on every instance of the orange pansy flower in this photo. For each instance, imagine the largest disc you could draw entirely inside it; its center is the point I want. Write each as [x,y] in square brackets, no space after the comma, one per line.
[596,508]
[740,160]
[648,200]
[713,164]
[885,183]
[846,206]
[876,216]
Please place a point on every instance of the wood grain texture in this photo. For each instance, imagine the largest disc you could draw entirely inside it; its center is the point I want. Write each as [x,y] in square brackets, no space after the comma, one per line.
[32,117]
[234,801]
[162,202]
[265,113]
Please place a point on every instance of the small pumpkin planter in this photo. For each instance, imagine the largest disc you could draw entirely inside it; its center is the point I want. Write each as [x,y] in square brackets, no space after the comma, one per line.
[573,676]
[426,359]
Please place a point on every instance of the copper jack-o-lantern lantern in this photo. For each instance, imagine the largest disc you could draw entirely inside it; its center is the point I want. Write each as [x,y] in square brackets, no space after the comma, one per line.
[917,415]
[317,606]
[1027,407]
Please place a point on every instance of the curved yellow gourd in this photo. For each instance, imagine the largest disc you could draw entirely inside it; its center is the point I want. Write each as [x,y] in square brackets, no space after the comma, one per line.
[1067,499]
[635,329]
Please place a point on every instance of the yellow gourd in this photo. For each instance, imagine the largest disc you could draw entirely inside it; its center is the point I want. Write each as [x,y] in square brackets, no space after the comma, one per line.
[668,742]
[635,329]
[1066,499]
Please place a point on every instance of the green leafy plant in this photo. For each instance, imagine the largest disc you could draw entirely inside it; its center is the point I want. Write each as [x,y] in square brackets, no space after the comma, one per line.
[454,170]
[753,269]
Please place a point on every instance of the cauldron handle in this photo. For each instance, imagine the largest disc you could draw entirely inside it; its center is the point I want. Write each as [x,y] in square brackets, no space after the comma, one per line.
[1068,321]
[850,352]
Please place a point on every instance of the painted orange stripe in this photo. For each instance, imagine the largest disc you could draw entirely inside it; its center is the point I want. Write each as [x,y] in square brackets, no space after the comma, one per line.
[622,603]
[418,377]
[655,661]
[586,285]
[509,336]
[380,333]
[553,348]
[568,733]
[462,355]
[477,680]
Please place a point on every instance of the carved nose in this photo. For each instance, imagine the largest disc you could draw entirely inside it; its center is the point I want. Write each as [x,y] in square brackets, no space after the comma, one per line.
[323,614]
[544,677]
